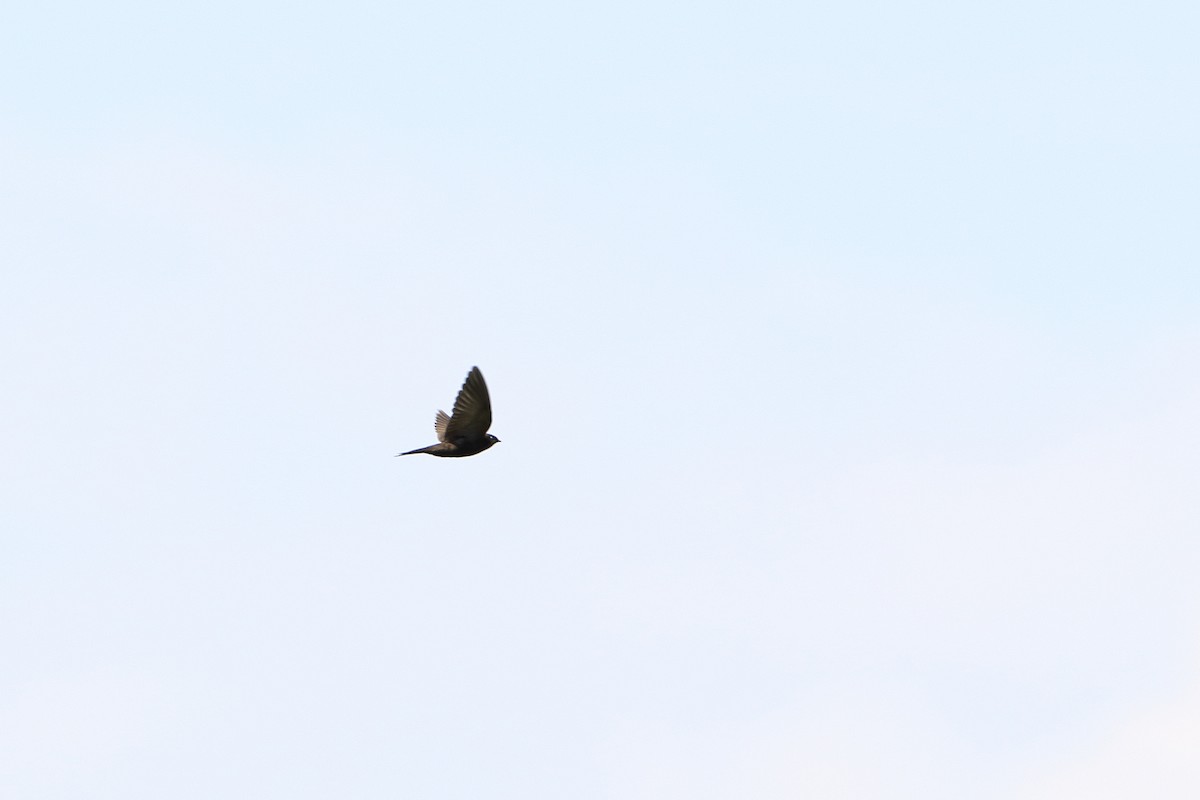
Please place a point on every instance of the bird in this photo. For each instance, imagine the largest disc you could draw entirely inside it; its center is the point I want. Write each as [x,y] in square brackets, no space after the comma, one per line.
[464,433]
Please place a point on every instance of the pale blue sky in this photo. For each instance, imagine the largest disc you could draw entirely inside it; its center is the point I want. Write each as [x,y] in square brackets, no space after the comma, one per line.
[844,358]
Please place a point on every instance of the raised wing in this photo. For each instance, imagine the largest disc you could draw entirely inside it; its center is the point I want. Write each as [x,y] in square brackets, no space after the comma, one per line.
[472,409]
[439,424]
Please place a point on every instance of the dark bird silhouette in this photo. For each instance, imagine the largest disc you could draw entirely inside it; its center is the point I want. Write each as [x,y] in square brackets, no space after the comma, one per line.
[464,433]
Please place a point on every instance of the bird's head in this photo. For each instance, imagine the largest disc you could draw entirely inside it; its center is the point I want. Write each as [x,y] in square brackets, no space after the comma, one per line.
[492,440]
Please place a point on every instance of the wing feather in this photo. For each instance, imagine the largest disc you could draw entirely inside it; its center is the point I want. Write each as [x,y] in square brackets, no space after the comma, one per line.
[439,424]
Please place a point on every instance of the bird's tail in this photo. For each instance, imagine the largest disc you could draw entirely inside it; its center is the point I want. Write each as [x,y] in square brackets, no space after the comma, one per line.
[410,452]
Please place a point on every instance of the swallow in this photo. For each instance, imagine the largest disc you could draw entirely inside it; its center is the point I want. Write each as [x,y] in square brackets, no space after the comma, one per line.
[463,433]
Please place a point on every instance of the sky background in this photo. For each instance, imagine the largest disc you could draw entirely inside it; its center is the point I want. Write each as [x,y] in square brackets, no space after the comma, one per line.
[844,357]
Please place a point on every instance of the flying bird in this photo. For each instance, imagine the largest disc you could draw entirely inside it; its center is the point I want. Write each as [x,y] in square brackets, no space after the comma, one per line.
[463,433]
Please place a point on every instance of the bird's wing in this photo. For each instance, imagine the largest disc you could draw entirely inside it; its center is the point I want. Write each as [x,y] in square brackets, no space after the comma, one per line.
[439,424]
[472,409]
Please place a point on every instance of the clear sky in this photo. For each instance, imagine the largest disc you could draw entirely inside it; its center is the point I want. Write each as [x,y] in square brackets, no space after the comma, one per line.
[845,358]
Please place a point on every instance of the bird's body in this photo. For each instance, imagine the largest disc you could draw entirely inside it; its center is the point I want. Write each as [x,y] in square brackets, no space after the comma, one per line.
[465,432]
